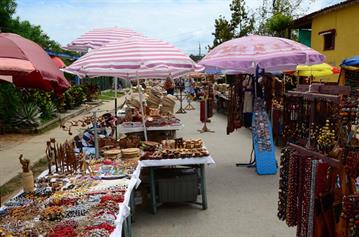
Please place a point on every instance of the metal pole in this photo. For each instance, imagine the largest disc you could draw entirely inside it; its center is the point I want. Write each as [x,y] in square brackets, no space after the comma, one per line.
[94,123]
[116,79]
[142,111]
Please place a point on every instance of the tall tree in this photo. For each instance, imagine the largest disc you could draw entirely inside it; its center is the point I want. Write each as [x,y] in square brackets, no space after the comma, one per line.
[241,22]
[275,16]
[223,31]
[7,10]
[34,33]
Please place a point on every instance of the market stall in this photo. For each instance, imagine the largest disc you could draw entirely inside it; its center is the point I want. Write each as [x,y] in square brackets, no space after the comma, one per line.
[75,195]
[159,115]
[177,153]
[318,189]
[82,195]
[254,55]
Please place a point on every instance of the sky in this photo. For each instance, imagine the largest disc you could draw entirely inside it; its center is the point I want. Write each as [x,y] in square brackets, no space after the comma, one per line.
[184,23]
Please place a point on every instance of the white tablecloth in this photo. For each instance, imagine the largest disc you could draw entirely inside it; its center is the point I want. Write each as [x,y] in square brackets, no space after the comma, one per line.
[123,129]
[186,161]
[125,209]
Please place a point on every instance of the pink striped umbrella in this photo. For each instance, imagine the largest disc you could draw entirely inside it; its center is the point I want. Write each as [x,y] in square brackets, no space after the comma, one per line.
[99,37]
[135,58]
[270,53]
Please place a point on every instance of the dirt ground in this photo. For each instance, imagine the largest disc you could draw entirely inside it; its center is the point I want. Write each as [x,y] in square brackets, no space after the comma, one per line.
[11,140]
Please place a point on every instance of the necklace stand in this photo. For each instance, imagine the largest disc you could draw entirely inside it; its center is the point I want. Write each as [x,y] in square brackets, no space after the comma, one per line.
[205,129]
[189,106]
[181,110]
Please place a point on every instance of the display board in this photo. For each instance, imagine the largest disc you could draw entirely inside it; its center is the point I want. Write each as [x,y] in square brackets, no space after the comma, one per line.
[262,138]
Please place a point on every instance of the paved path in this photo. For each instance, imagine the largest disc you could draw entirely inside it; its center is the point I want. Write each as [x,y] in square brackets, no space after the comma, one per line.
[33,148]
[240,202]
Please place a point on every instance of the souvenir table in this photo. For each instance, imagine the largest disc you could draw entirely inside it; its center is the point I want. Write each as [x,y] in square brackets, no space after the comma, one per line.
[81,196]
[67,205]
[195,158]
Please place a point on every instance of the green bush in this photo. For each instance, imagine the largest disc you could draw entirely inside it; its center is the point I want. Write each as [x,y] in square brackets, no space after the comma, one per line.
[91,91]
[46,101]
[74,97]
[27,115]
[10,100]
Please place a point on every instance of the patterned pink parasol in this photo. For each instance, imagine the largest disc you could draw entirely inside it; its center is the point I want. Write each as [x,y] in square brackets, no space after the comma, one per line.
[270,53]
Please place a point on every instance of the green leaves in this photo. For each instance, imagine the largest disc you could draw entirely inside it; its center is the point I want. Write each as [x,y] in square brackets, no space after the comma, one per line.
[10,100]
[278,24]
[223,31]
[7,10]
[241,24]
[74,97]
[27,116]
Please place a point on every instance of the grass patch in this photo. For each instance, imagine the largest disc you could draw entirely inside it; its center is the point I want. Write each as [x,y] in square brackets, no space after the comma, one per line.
[15,184]
[109,95]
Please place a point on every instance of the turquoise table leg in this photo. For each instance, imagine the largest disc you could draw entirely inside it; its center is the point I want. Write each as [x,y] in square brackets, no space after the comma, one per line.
[203,187]
[153,190]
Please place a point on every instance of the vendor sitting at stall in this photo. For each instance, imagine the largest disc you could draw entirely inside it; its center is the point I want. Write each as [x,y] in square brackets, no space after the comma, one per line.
[88,138]
[109,122]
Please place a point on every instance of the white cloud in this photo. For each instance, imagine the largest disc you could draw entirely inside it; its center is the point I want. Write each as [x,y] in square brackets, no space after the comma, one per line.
[184,23]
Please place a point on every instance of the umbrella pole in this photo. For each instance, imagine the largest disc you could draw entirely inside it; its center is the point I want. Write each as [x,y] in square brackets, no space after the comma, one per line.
[116,79]
[142,111]
[94,123]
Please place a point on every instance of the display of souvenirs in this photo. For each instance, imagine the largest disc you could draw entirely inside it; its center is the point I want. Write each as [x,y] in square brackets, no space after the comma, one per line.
[176,153]
[177,148]
[112,154]
[112,169]
[261,127]
[151,112]
[154,98]
[326,138]
[70,209]
[150,146]
[168,104]
[163,121]
[277,104]
[192,143]
[134,102]
[351,214]
[182,143]
[222,88]
[319,165]
[130,153]
[235,117]
[130,142]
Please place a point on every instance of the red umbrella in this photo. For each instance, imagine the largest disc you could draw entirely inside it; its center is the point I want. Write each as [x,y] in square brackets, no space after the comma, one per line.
[58,62]
[29,64]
